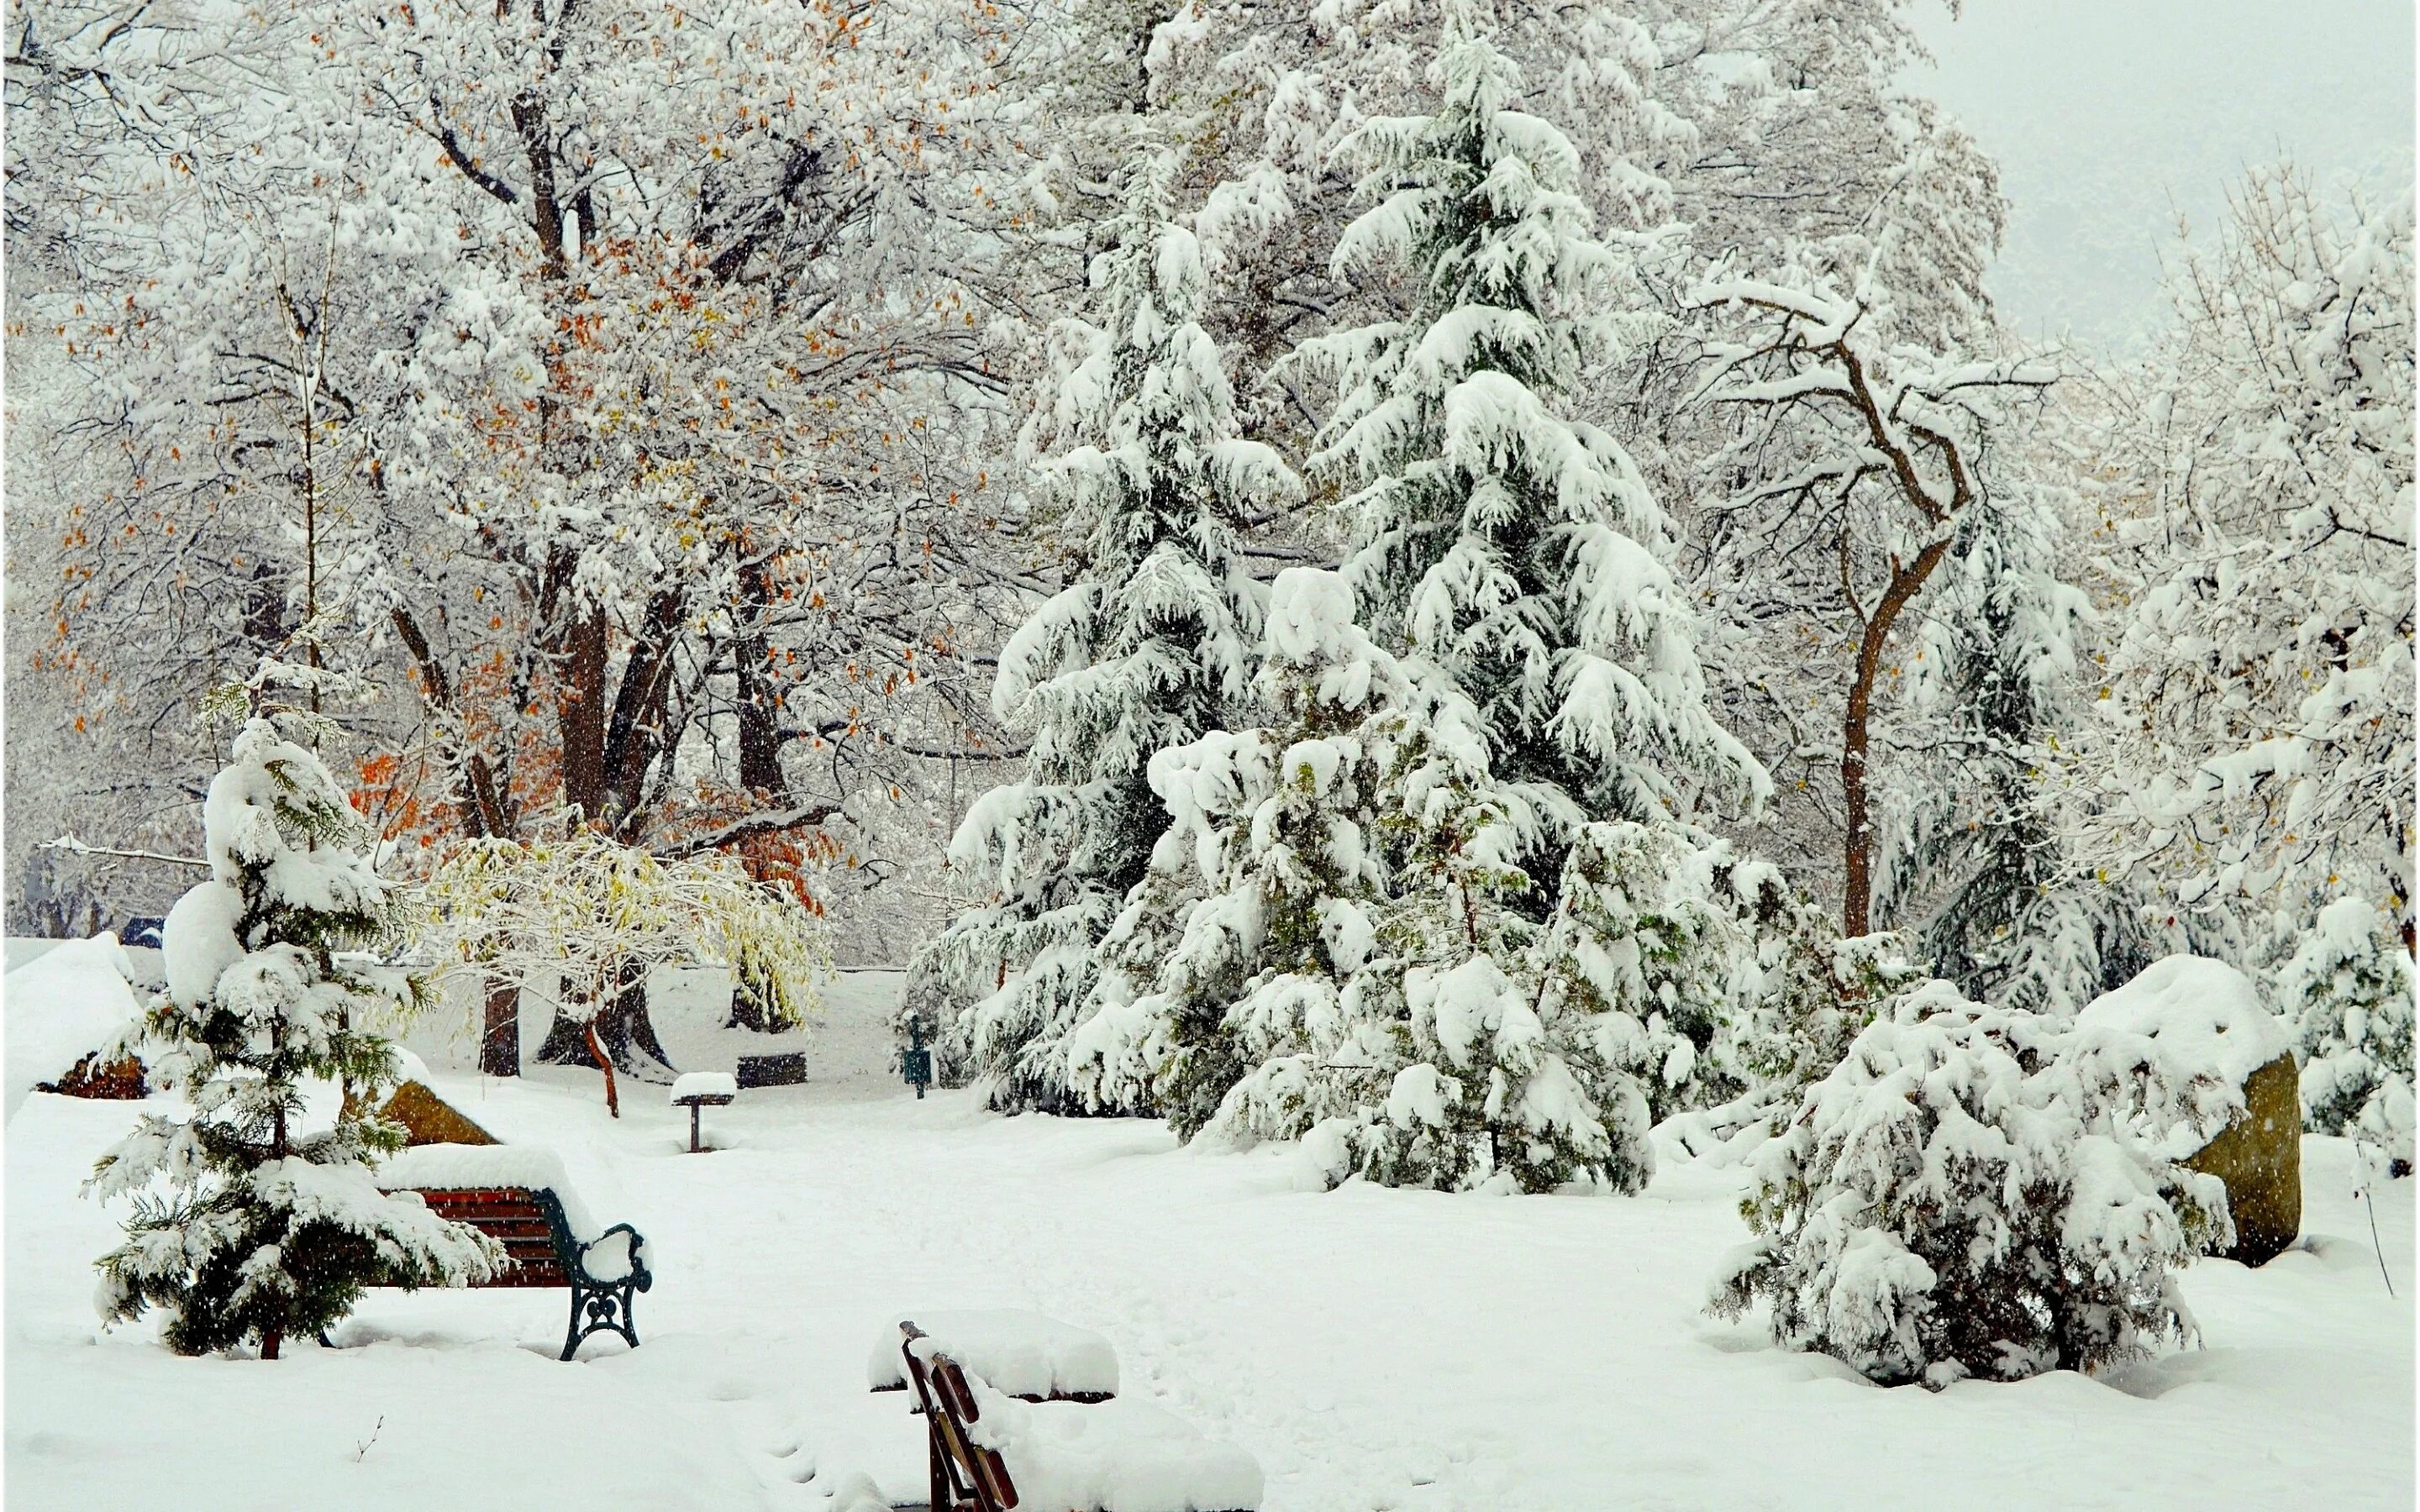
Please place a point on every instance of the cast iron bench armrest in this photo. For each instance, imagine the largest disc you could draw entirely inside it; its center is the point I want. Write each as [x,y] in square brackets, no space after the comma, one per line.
[640,1276]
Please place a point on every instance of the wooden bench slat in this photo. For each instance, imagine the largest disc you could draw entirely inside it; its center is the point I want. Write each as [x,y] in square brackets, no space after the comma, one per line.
[540,1251]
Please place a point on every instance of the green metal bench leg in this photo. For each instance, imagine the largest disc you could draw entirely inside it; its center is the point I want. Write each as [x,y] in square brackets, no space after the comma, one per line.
[600,1310]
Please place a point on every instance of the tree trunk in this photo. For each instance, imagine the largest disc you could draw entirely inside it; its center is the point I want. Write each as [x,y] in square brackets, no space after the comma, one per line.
[1857,888]
[760,697]
[621,1025]
[579,715]
[499,1031]
[605,1064]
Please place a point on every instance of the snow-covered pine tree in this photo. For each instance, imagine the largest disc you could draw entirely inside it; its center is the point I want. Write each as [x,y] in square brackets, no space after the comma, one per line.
[1146,647]
[2346,990]
[1979,877]
[1272,835]
[253,1219]
[1515,550]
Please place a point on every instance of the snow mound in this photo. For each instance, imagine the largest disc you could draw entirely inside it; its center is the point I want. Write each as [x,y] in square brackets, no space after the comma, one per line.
[1112,1457]
[61,1007]
[2202,1017]
[1023,1354]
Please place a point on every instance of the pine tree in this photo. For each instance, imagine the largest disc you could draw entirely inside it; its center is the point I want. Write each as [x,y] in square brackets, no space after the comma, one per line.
[1145,648]
[1512,548]
[2347,992]
[1272,845]
[1981,877]
[269,1224]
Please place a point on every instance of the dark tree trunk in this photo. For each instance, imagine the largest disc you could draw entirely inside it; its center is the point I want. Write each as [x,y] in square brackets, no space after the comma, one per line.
[1856,892]
[760,697]
[581,714]
[621,1027]
[499,1031]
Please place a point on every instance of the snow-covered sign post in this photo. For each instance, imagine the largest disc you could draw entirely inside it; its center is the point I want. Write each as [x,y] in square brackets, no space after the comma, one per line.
[252,1218]
[595,914]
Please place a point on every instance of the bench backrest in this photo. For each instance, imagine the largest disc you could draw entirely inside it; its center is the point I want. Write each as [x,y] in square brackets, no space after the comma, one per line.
[528,1221]
[967,1473]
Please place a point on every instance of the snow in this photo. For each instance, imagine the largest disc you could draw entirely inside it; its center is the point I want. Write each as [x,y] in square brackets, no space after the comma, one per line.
[698,1085]
[60,1007]
[197,941]
[1112,1457]
[1372,1350]
[2201,1015]
[1023,1354]
[464,1168]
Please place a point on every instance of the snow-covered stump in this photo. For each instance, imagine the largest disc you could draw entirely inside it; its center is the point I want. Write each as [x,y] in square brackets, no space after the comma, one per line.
[2205,1021]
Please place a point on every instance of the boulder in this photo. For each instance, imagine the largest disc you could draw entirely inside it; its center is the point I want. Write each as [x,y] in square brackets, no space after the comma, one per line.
[2260,1157]
[2205,1018]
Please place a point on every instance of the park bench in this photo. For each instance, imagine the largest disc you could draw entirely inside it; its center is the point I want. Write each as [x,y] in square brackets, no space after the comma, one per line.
[520,1196]
[991,1452]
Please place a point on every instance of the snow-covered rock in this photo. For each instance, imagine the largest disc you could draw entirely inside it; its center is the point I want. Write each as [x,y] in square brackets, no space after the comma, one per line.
[61,1007]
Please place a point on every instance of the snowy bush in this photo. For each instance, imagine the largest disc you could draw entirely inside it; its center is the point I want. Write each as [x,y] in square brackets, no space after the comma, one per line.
[2347,992]
[1986,1192]
[250,1219]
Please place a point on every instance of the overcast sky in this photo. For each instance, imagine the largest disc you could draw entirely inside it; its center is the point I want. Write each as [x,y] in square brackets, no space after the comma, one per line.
[2109,117]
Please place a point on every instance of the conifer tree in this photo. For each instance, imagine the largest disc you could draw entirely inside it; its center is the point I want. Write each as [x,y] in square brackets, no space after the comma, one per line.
[2347,991]
[1146,647]
[1515,550]
[1273,834]
[252,1217]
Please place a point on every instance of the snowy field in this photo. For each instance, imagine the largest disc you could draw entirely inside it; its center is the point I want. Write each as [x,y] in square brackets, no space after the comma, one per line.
[1374,1348]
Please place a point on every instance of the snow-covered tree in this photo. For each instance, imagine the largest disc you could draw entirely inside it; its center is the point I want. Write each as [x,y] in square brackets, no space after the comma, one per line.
[1147,646]
[1979,870]
[1272,843]
[1984,1191]
[595,916]
[2347,992]
[1508,547]
[1856,464]
[255,1215]
[2256,761]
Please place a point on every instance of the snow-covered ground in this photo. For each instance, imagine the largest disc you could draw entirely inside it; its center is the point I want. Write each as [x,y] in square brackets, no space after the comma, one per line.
[1374,1349]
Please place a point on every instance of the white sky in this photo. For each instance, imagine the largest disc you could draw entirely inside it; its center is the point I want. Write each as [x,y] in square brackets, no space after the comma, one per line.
[2109,117]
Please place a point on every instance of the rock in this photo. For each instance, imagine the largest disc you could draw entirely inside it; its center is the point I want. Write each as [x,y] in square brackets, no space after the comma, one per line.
[2205,1019]
[2260,1157]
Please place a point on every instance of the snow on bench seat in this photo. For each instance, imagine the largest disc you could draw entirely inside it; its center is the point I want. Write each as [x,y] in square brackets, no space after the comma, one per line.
[1120,1456]
[1022,1354]
[477,1167]
[704,1086]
